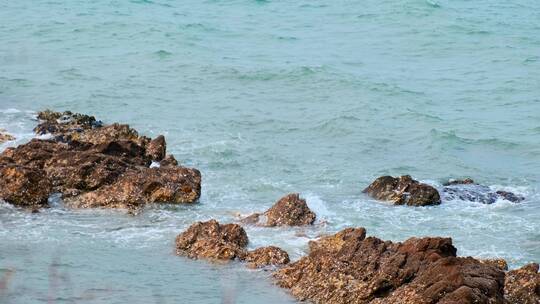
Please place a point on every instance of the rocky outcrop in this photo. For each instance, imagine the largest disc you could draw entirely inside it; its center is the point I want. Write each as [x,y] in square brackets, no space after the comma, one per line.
[96,165]
[137,187]
[468,190]
[290,210]
[211,240]
[498,263]
[4,136]
[403,190]
[523,285]
[349,267]
[24,186]
[267,256]
[224,242]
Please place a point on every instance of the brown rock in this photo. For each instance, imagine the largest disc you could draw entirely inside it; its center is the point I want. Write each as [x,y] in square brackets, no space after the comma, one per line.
[168,161]
[523,285]
[350,268]
[137,187]
[403,190]
[4,136]
[290,210]
[157,148]
[24,187]
[211,240]
[498,263]
[267,256]
[96,166]
[64,124]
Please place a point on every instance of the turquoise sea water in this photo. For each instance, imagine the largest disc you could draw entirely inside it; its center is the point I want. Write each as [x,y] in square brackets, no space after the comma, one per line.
[266,98]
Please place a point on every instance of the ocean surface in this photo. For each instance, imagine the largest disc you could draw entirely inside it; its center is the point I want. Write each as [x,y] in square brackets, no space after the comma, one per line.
[266,98]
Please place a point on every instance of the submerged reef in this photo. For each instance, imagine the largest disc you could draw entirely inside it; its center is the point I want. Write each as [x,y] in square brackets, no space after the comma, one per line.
[93,165]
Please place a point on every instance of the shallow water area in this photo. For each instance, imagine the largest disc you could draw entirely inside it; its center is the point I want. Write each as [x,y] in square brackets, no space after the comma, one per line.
[267,98]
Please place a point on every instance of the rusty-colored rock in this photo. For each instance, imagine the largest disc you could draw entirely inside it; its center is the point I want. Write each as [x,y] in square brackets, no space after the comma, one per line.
[350,268]
[466,181]
[498,263]
[211,240]
[403,190]
[4,136]
[157,148]
[522,286]
[267,256]
[290,210]
[96,165]
[137,187]
[24,187]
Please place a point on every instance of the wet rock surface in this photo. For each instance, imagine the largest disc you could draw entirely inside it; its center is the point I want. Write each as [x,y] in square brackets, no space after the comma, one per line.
[403,190]
[523,285]
[24,186]
[4,136]
[468,190]
[223,242]
[96,165]
[211,240]
[290,210]
[267,256]
[349,267]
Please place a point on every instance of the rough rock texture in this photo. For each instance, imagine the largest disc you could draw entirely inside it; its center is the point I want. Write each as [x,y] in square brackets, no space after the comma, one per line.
[22,186]
[267,256]
[403,190]
[468,190]
[4,136]
[211,240]
[290,210]
[214,241]
[157,148]
[522,286]
[498,263]
[95,165]
[137,187]
[349,268]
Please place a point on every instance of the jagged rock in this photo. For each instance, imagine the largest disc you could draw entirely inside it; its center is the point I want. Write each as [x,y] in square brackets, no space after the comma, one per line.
[403,190]
[24,187]
[157,148]
[63,125]
[211,240]
[498,263]
[93,165]
[509,196]
[137,187]
[168,161]
[4,136]
[267,256]
[350,268]
[290,210]
[522,286]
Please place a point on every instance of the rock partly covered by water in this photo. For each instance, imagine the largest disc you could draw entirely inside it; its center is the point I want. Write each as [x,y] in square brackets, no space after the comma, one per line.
[211,240]
[265,256]
[4,136]
[290,210]
[349,267]
[523,285]
[468,190]
[23,186]
[95,165]
[403,190]
[214,241]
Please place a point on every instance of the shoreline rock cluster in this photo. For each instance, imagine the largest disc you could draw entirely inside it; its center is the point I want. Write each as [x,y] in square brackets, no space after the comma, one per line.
[404,190]
[93,165]
[111,166]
